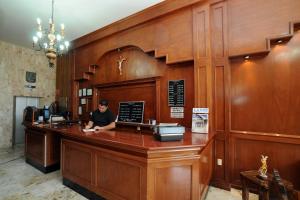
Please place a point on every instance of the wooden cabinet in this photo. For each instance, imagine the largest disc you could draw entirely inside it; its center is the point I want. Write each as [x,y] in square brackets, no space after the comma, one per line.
[122,175]
[122,164]
[42,149]
[127,165]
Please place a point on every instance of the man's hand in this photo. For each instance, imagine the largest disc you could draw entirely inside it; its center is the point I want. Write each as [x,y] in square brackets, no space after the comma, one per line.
[97,128]
[87,127]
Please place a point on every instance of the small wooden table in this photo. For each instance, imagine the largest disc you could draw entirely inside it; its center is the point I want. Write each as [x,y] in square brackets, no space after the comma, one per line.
[265,192]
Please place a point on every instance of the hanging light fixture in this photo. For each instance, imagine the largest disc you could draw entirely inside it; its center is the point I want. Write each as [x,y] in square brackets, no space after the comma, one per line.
[48,40]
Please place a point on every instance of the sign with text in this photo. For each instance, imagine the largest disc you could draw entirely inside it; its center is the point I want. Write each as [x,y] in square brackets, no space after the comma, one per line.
[177,112]
[176,93]
[200,120]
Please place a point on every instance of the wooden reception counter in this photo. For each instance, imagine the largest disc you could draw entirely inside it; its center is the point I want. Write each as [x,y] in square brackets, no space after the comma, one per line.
[130,165]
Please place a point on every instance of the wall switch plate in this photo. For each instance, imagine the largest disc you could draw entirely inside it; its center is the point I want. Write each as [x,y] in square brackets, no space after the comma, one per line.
[219,161]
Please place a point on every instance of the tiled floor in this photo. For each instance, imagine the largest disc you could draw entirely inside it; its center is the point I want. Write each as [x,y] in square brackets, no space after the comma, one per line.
[19,180]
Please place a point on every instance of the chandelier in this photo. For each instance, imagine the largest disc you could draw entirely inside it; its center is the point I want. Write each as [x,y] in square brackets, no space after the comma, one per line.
[50,41]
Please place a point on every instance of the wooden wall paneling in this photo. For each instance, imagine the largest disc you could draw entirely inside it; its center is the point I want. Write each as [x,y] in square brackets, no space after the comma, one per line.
[95,99]
[171,43]
[58,78]
[264,104]
[219,171]
[64,82]
[220,81]
[201,53]
[220,99]
[267,89]
[248,32]
[157,100]
[136,66]
[283,153]
[156,11]
[141,65]
[178,72]
[73,89]
[210,53]
[88,107]
[165,40]
[137,92]
[75,100]
[206,169]
[218,23]
[220,143]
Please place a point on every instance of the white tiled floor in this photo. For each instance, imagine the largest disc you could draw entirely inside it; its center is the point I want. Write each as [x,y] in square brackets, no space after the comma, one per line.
[19,180]
[234,194]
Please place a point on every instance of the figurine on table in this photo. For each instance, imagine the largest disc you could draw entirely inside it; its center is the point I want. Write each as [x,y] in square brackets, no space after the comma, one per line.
[262,172]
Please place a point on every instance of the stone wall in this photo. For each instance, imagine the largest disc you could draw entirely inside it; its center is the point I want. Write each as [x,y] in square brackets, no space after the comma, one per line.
[14,62]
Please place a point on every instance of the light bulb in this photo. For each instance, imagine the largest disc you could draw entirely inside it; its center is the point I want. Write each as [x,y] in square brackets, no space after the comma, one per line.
[58,37]
[62,47]
[67,44]
[38,20]
[62,26]
[35,39]
[39,34]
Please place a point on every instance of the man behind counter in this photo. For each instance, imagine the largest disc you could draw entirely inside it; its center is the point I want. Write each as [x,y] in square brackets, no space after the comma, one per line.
[102,118]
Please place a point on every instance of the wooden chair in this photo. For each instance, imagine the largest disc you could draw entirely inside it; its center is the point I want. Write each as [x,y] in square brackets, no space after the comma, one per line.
[278,190]
[272,188]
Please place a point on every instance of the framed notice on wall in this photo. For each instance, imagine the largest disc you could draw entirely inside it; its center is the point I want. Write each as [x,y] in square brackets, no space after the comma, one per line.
[89,92]
[84,92]
[176,93]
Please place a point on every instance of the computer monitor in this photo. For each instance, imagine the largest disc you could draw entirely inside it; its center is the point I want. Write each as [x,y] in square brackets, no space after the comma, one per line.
[131,111]
[46,114]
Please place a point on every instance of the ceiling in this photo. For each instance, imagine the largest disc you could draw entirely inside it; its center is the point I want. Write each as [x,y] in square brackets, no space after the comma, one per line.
[18,17]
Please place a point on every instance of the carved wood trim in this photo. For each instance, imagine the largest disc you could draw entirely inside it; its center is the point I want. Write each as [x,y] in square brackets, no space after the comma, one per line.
[274,137]
[127,82]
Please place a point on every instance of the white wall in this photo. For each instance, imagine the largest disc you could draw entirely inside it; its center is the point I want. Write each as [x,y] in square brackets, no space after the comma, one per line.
[14,62]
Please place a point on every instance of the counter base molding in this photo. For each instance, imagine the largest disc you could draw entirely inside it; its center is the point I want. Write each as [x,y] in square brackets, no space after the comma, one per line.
[48,169]
[81,190]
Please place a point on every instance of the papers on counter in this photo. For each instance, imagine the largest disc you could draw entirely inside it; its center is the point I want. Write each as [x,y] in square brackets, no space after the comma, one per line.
[88,130]
[168,124]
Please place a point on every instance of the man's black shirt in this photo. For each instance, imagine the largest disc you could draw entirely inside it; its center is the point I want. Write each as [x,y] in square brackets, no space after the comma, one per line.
[102,119]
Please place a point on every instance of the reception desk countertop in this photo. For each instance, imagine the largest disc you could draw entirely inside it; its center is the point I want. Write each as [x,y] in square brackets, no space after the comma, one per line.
[137,141]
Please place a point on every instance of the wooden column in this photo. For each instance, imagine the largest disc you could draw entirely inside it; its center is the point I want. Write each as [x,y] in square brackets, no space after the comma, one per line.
[221,79]
[211,76]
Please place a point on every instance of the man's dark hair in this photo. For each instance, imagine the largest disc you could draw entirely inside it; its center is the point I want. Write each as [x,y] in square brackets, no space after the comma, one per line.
[103,102]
